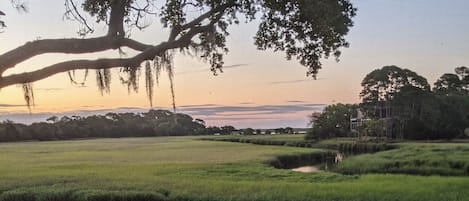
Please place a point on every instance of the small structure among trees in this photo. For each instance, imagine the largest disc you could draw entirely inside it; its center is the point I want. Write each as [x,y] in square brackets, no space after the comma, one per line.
[357,121]
[399,104]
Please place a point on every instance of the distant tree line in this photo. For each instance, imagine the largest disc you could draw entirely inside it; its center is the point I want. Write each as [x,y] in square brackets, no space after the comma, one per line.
[251,131]
[400,104]
[110,125]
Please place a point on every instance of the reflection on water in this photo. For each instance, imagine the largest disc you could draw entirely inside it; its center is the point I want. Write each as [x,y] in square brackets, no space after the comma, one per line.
[307,169]
[328,164]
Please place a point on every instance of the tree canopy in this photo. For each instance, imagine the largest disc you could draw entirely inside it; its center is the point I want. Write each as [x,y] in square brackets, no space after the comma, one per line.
[334,121]
[2,23]
[110,125]
[400,105]
[18,5]
[413,111]
[306,30]
[382,85]
[450,83]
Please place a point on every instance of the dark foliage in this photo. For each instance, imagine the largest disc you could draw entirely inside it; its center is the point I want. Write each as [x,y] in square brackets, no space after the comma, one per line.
[292,161]
[111,125]
[333,122]
[399,104]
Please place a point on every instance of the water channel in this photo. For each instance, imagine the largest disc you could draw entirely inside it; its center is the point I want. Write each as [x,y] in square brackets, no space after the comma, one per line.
[328,164]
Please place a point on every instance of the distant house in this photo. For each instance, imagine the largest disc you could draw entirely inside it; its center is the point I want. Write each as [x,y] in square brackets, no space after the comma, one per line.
[301,130]
[392,129]
[236,132]
[358,121]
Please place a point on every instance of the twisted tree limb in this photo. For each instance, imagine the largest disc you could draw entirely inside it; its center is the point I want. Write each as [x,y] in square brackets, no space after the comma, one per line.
[66,46]
[148,54]
[113,40]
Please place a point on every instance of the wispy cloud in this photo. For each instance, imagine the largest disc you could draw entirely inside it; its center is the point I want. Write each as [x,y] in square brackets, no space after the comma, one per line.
[265,109]
[238,118]
[10,105]
[295,101]
[203,105]
[296,81]
[49,89]
[204,70]
[86,106]
[235,65]
[292,114]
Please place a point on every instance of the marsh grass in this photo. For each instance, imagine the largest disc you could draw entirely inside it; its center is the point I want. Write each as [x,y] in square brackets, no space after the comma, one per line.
[344,145]
[413,158]
[186,169]
[277,140]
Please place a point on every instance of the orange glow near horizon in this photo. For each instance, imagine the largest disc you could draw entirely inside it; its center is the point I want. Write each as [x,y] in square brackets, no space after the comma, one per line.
[430,41]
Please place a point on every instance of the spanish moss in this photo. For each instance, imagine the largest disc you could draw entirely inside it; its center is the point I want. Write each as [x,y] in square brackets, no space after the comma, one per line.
[171,84]
[71,76]
[149,82]
[131,81]
[165,62]
[103,80]
[28,94]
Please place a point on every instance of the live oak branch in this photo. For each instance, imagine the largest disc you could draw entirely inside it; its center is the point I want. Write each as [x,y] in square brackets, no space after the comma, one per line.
[305,30]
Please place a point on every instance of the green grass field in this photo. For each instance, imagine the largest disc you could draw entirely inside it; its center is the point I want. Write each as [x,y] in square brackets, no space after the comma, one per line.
[413,158]
[184,168]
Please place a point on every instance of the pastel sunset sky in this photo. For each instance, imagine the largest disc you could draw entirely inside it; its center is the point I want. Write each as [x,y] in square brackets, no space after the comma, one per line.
[257,88]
